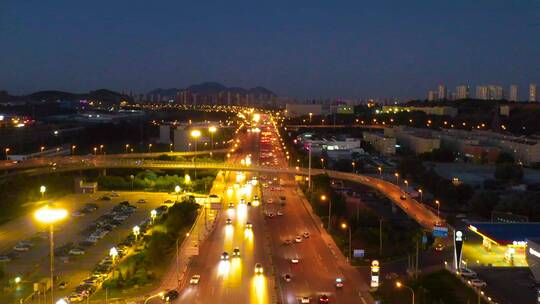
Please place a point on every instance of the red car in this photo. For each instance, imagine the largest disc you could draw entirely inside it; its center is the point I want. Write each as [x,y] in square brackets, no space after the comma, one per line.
[324,299]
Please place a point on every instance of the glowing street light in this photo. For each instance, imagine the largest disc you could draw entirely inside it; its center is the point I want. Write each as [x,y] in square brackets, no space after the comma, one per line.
[438,203]
[113,252]
[407,185]
[324,198]
[42,190]
[136,231]
[6,150]
[380,171]
[153,214]
[345,226]
[177,190]
[399,285]
[212,130]
[397,178]
[50,215]
[149,148]
[73,147]
[421,193]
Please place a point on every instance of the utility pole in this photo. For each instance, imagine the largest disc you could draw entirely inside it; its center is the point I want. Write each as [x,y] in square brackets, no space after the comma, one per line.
[309,168]
[380,237]
[329,212]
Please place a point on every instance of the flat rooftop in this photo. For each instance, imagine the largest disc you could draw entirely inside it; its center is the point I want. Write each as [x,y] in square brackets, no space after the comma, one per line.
[504,233]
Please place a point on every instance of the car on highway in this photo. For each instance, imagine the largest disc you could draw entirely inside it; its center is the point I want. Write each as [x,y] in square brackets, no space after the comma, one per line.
[5,258]
[228,221]
[305,235]
[75,297]
[295,260]
[323,299]
[402,197]
[231,205]
[477,283]
[195,279]
[287,277]
[298,239]
[270,215]
[305,300]
[258,268]
[141,201]
[21,247]
[339,282]
[287,242]
[225,256]
[439,247]
[63,285]
[236,252]
[280,213]
[249,226]
[170,295]
[76,251]
[467,273]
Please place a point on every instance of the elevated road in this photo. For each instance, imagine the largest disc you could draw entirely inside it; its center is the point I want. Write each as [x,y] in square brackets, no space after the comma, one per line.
[77,159]
[331,126]
[422,215]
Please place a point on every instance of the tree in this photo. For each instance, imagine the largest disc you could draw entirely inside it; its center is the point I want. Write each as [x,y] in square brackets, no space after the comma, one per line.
[509,172]
[483,203]
[504,158]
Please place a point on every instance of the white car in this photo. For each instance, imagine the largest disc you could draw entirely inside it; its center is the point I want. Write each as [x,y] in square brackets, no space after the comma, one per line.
[467,273]
[295,260]
[76,251]
[280,213]
[77,214]
[21,247]
[305,235]
[305,300]
[195,279]
[225,256]
[298,239]
[477,283]
[287,277]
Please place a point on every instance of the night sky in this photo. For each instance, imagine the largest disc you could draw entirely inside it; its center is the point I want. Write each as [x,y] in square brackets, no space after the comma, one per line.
[349,49]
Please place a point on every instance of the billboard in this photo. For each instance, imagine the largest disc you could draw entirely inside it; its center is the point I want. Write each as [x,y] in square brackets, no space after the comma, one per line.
[440,231]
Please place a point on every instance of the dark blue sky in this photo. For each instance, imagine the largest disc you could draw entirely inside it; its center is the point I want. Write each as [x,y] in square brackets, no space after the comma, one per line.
[296,48]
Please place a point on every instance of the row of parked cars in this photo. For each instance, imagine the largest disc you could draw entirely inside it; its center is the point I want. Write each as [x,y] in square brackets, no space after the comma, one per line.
[104,268]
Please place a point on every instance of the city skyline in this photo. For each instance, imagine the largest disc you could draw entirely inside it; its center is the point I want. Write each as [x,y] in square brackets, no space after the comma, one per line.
[383,50]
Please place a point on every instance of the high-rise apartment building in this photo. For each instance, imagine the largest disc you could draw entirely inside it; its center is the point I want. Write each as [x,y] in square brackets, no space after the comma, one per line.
[482,92]
[442,92]
[432,95]
[462,92]
[489,92]
[533,92]
[513,93]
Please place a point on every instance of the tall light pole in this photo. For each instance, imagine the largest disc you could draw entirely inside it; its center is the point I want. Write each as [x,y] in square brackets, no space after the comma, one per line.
[310,115]
[127,148]
[73,147]
[345,226]
[42,190]
[136,231]
[324,198]
[399,285]
[95,150]
[153,214]
[177,190]
[212,130]
[309,167]
[406,182]
[149,148]
[438,203]
[421,193]
[397,178]
[170,147]
[50,215]
[101,149]
[195,134]
[353,167]
[6,150]
[380,172]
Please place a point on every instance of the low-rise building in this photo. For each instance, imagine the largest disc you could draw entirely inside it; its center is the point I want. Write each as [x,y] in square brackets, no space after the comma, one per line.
[299,109]
[439,111]
[382,144]
[416,140]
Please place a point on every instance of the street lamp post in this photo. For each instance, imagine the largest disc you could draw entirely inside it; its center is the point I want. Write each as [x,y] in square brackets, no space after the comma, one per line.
[380,172]
[113,252]
[153,214]
[324,198]
[50,215]
[345,226]
[353,167]
[399,285]
[421,194]
[406,182]
[177,190]
[42,190]
[127,148]
[136,231]
[195,134]
[170,147]
[397,178]
[73,149]
[438,203]
[212,130]
[149,148]
[310,115]
[7,152]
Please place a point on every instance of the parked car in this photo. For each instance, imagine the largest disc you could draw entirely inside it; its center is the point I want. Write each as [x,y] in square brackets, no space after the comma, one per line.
[76,251]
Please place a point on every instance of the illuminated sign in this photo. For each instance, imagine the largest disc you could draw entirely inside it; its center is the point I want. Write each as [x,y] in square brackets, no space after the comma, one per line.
[375,268]
[458,246]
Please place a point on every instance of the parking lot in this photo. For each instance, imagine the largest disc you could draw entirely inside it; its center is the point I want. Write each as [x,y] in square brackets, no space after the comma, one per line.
[80,230]
[508,285]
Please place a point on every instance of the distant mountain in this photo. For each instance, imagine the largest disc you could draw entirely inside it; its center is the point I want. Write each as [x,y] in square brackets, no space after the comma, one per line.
[211,88]
[103,95]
